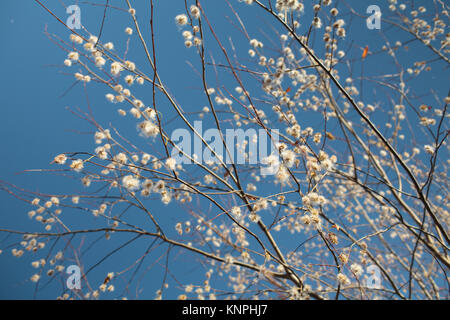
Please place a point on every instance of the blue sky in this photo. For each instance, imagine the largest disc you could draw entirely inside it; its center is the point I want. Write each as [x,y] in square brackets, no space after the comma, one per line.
[36,123]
